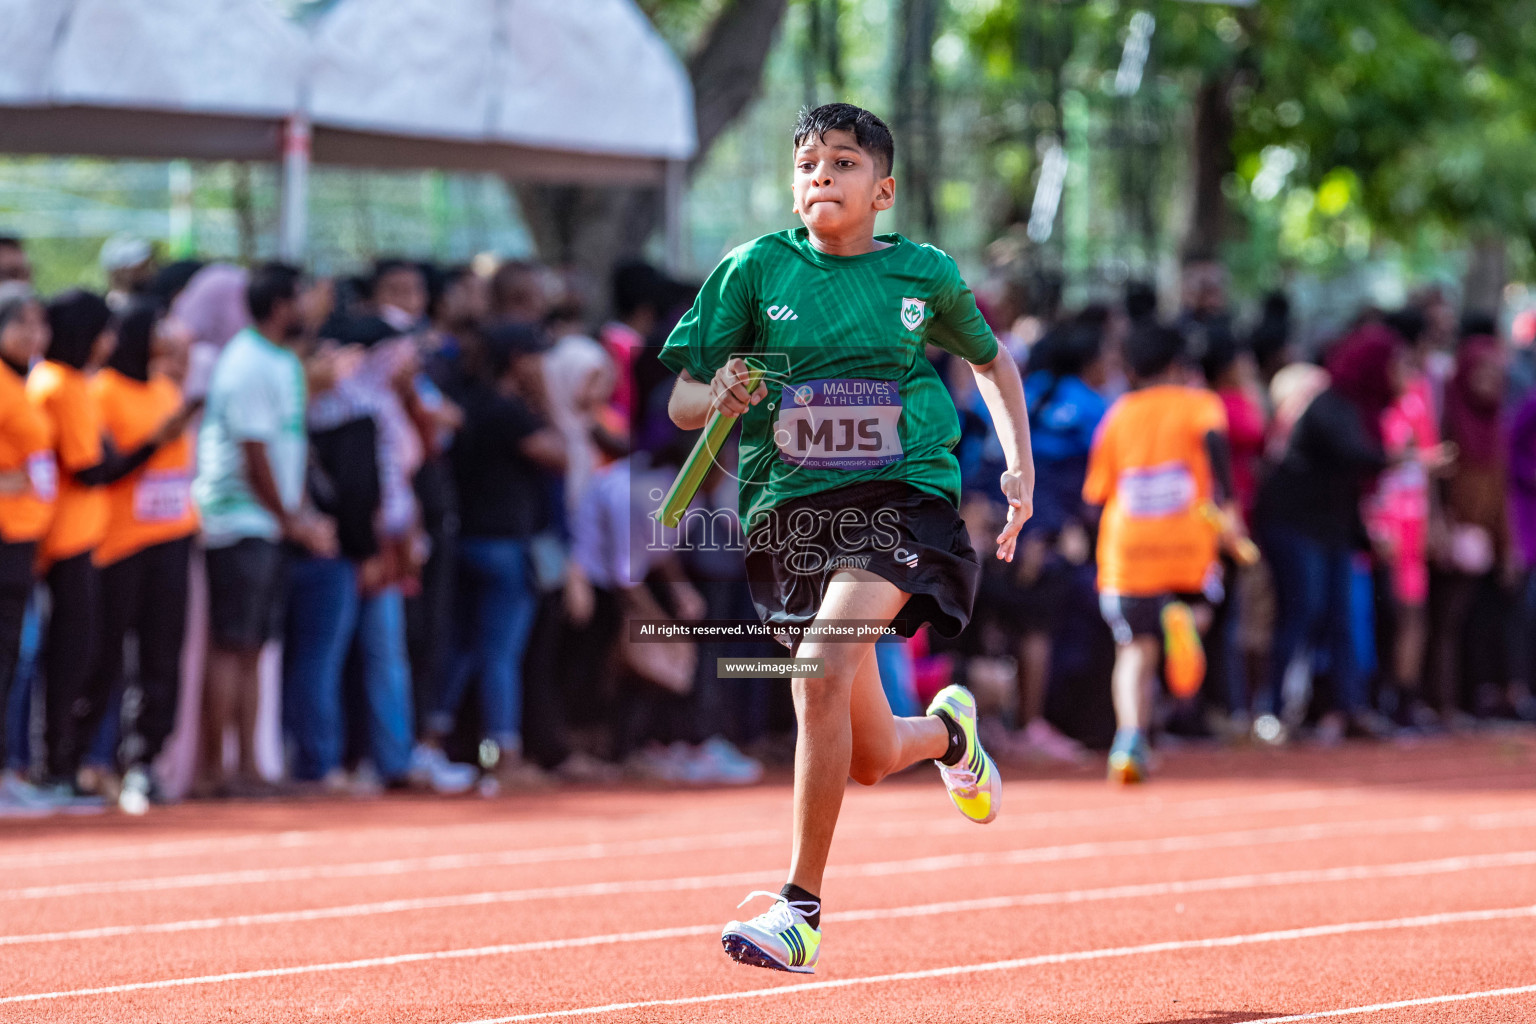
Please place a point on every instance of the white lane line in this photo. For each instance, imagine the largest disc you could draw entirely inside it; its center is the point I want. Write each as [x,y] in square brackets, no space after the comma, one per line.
[1405,869]
[1403,1004]
[1423,824]
[479,952]
[1157,809]
[1292,934]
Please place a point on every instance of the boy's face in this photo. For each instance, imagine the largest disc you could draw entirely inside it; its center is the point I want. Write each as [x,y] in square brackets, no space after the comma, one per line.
[838,189]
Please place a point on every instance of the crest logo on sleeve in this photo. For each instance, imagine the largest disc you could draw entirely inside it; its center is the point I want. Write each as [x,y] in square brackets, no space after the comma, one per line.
[913,311]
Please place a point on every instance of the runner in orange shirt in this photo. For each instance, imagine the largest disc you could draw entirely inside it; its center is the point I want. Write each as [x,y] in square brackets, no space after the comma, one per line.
[83,333]
[144,553]
[1159,461]
[26,491]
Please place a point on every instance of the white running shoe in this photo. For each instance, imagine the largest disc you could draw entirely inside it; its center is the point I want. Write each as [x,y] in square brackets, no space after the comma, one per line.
[780,938]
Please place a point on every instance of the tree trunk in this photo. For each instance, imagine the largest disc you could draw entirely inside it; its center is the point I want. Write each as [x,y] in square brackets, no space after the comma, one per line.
[1213,161]
[915,114]
[1487,274]
[595,228]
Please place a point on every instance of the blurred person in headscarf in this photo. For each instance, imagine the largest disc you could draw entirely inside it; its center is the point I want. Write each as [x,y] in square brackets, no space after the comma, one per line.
[28,486]
[1307,520]
[83,334]
[212,306]
[372,582]
[579,379]
[1475,495]
[144,553]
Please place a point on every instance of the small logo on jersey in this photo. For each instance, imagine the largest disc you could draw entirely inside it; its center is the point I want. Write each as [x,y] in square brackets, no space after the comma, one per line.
[912,313]
[782,313]
[805,394]
[908,557]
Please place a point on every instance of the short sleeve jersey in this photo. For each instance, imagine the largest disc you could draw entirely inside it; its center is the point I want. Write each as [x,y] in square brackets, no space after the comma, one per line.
[501,492]
[153,504]
[80,513]
[26,444]
[1150,470]
[851,395]
[257,393]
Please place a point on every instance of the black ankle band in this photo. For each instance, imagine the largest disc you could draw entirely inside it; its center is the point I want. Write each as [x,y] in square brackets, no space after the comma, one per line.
[956,749]
[794,894]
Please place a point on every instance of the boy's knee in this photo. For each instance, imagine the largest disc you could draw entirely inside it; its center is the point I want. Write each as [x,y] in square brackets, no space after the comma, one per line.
[870,766]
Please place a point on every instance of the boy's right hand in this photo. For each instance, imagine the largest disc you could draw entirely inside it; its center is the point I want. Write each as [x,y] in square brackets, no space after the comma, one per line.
[728,389]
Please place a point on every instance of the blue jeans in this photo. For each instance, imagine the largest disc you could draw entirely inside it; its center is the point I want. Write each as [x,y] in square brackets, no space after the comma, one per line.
[386,681]
[495,575]
[1314,588]
[322,616]
[326,617]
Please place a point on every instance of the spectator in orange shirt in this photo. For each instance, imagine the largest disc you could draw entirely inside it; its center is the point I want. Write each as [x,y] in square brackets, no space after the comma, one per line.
[1160,459]
[144,552]
[83,333]
[27,480]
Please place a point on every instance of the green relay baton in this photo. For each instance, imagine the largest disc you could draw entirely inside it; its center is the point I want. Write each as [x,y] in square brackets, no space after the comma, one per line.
[696,467]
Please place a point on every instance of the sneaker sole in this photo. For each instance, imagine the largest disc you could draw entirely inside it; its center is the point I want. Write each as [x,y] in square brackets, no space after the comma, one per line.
[744,951]
[1184,653]
[995,781]
[1125,771]
[994,793]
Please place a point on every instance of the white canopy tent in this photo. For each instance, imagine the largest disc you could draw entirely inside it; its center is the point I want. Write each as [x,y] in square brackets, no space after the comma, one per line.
[530,89]
[199,79]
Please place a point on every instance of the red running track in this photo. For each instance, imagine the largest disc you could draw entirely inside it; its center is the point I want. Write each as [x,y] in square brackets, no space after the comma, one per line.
[1375,884]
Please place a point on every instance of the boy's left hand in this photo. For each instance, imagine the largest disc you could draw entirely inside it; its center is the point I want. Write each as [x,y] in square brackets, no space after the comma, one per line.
[1021,505]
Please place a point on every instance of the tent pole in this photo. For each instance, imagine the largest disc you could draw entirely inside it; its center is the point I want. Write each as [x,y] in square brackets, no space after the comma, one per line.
[294,232]
[672,201]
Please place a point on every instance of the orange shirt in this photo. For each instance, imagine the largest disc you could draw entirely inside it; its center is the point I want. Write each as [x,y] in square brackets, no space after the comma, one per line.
[26,442]
[1150,471]
[153,504]
[63,394]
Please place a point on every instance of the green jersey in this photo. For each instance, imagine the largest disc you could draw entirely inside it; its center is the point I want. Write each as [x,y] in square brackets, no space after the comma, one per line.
[851,395]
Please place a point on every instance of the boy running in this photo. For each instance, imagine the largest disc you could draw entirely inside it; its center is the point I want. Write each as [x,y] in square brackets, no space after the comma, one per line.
[849,485]
[1159,462]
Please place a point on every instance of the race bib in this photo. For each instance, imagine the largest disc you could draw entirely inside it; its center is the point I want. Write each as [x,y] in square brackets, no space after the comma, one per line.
[44,474]
[1157,491]
[162,497]
[839,424]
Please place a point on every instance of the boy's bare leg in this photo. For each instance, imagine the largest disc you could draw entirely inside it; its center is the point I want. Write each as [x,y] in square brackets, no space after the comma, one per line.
[1135,665]
[845,723]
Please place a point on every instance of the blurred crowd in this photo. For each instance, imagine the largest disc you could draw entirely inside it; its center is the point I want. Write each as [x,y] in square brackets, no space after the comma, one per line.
[1386,475]
[419,485]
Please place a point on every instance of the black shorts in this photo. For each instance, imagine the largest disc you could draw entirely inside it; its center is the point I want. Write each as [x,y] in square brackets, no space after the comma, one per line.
[1129,617]
[914,539]
[247,585]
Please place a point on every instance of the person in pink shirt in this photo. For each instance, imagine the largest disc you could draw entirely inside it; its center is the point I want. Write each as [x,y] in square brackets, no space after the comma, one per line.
[1232,674]
[636,301]
[1397,514]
